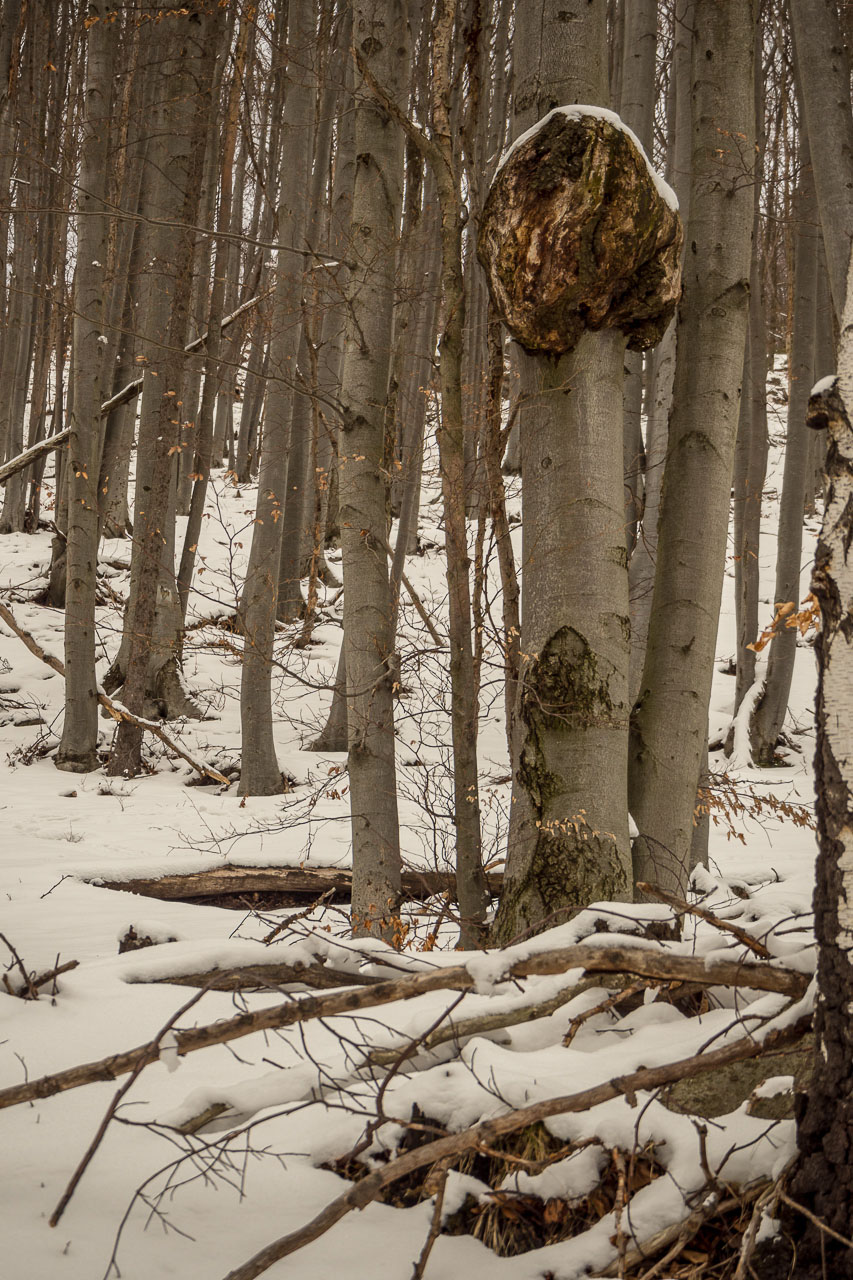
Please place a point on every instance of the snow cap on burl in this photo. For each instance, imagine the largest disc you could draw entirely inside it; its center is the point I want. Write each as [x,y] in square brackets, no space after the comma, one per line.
[579,232]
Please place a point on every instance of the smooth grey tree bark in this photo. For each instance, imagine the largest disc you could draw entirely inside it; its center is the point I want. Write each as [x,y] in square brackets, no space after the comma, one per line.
[769,712]
[380,44]
[568,839]
[752,443]
[203,435]
[641,571]
[91,374]
[823,70]
[260,773]
[637,109]
[668,736]
[147,668]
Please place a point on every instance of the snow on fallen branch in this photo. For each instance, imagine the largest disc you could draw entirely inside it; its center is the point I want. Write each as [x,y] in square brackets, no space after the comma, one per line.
[643,962]
[115,709]
[488,1132]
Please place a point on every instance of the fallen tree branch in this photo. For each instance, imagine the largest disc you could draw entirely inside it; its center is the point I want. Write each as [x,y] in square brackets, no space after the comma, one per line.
[488,1132]
[116,710]
[268,975]
[28,991]
[41,979]
[679,1234]
[689,908]
[645,962]
[485,1022]
[32,454]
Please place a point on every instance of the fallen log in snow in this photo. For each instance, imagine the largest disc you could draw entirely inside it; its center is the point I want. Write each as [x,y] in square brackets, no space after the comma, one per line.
[299,881]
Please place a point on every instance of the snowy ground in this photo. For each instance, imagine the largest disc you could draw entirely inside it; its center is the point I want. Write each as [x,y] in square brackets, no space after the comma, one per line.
[154,1203]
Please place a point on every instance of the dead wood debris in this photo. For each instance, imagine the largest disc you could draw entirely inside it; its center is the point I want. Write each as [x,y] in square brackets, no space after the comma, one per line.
[116,710]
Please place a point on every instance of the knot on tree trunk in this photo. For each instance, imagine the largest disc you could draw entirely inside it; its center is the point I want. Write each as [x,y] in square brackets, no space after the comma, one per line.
[578,233]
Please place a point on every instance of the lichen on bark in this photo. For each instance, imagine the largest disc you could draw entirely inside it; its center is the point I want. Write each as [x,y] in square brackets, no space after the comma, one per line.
[575,235]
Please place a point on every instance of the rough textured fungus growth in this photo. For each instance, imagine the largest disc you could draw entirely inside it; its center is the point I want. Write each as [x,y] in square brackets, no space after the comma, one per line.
[576,234]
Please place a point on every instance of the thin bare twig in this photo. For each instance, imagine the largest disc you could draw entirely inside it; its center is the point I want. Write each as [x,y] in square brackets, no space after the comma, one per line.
[370,1188]
[117,711]
[690,908]
[438,1176]
[110,1112]
[815,1220]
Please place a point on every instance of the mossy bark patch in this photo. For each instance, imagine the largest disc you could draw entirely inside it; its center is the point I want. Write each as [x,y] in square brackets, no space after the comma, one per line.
[575,235]
[566,689]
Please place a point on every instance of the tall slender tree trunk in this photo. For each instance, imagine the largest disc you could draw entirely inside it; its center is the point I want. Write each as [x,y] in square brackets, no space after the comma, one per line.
[670,719]
[769,713]
[752,443]
[641,571]
[203,438]
[823,69]
[91,374]
[824,1181]
[380,39]
[471,889]
[260,773]
[637,109]
[147,667]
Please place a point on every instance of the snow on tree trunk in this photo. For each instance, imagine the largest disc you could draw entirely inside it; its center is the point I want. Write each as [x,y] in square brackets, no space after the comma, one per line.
[824,1182]
[577,235]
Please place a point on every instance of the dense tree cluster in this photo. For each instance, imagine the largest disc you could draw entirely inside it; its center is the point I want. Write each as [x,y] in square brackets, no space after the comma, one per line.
[290,239]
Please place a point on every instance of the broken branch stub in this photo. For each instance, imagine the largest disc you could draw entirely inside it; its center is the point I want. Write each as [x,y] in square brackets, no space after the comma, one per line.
[577,233]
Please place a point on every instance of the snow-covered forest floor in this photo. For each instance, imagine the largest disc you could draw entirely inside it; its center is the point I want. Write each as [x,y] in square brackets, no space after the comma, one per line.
[159,1202]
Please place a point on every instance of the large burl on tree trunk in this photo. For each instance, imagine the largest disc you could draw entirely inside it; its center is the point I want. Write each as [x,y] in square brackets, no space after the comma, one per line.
[578,233]
[581,245]
[824,1181]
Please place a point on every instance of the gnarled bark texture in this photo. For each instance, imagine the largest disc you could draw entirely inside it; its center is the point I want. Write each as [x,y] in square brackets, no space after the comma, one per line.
[575,237]
[824,1182]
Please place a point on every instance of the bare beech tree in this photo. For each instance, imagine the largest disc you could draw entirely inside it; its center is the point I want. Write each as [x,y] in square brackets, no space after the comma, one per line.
[568,839]
[669,723]
[91,377]
[380,43]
